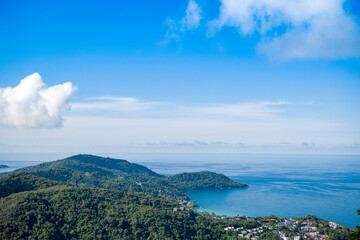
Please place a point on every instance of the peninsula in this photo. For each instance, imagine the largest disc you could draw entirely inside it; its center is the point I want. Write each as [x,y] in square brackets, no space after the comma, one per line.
[108,173]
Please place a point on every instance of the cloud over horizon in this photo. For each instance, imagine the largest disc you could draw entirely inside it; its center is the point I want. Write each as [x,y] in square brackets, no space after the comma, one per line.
[31,105]
[110,122]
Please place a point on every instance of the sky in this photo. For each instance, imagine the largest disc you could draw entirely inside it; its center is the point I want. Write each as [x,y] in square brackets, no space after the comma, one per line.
[224,76]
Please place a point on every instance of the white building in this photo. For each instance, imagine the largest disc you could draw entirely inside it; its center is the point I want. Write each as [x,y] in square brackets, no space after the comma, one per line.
[308,229]
[334,225]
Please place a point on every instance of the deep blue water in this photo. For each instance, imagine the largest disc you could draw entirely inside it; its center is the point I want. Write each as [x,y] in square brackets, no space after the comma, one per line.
[284,185]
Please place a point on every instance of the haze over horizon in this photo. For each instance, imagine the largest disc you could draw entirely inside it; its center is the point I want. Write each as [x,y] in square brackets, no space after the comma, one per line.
[180,76]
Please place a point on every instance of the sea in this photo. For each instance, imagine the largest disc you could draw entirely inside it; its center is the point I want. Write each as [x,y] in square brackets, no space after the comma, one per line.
[285,185]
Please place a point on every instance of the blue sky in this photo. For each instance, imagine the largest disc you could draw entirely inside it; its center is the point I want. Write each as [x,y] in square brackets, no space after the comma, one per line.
[227,76]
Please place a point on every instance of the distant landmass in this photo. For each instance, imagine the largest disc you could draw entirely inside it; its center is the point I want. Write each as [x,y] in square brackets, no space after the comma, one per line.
[3,166]
[90,197]
[98,172]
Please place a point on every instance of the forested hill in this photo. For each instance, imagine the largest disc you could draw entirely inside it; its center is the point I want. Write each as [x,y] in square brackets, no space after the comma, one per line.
[58,211]
[98,172]
[203,181]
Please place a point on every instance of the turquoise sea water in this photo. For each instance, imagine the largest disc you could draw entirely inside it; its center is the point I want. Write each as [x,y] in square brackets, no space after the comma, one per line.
[284,185]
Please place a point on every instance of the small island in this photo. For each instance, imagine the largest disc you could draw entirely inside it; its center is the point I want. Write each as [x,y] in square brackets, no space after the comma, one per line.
[3,166]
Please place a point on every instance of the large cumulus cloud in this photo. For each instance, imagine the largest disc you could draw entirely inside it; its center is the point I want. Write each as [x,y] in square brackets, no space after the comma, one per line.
[32,105]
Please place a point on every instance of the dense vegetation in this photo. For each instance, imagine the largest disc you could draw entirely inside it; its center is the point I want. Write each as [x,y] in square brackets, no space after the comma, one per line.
[98,172]
[202,181]
[68,212]
[3,166]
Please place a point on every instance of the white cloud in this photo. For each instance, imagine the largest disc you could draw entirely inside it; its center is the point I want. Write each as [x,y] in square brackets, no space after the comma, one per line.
[192,18]
[31,105]
[294,28]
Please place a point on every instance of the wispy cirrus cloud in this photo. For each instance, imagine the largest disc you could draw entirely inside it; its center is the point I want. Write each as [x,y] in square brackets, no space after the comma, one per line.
[255,110]
[174,28]
[111,103]
[32,105]
[172,32]
[123,105]
[192,17]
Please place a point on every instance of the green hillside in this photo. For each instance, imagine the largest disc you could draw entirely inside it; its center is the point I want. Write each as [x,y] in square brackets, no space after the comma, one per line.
[98,172]
[68,212]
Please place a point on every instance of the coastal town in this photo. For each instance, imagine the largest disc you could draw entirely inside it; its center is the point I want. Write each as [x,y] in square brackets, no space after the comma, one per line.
[309,227]
[242,227]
